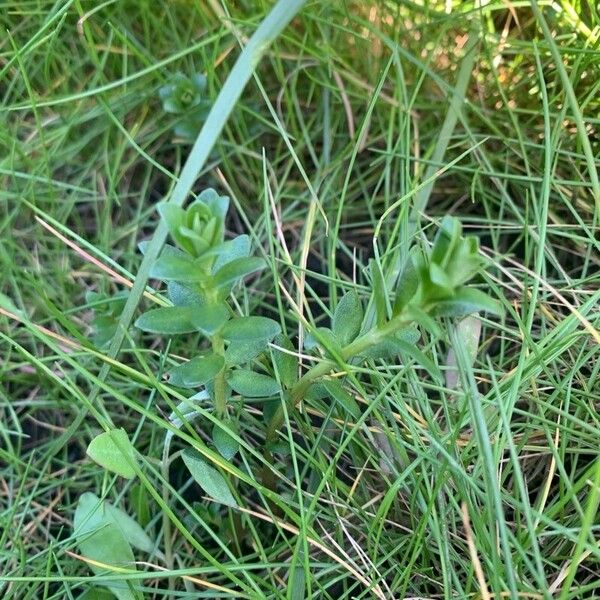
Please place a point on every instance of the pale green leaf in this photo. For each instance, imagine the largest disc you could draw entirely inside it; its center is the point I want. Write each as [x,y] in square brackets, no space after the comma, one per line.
[210,318]
[253,385]
[347,318]
[113,451]
[167,320]
[198,371]
[248,329]
[208,478]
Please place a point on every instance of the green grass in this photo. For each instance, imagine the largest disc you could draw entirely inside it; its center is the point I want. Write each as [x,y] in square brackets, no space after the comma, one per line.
[484,487]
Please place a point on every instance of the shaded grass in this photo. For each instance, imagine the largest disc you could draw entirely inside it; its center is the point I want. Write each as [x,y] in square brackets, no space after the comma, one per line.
[84,141]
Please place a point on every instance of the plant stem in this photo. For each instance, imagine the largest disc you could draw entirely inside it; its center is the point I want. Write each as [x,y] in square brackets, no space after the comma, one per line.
[220,385]
[359,345]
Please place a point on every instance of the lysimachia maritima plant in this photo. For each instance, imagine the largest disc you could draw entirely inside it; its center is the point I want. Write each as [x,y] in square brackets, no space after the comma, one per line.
[202,269]
[186,97]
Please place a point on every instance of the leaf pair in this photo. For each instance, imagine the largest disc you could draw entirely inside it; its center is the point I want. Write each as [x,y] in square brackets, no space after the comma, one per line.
[105,535]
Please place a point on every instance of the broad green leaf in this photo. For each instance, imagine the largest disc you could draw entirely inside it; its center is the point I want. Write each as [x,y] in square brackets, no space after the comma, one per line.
[198,371]
[342,397]
[232,272]
[347,318]
[240,352]
[466,301]
[130,528]
[183,295]
[285,363]
[248,329]
[224,442]
[238,247]
[253,385]
[210,318]
[177,268]
[113,451]
[168,320]
[100,540]
[208,478]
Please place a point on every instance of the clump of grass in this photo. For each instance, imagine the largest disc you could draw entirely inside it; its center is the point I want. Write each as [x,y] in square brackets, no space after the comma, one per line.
[364,126]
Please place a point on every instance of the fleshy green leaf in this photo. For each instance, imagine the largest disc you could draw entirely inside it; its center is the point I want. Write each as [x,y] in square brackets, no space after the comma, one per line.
[248,329]
[168,320]
[228,275]
[183,295]
[101,540]
[466,301]
[210,318]
[226,444]
[198,371]
[285,363]
[342,397]
[239,352]
[238,247]
[407,286]
[113,451]
[208,478]
[253,385]
[347,318]
[177,268]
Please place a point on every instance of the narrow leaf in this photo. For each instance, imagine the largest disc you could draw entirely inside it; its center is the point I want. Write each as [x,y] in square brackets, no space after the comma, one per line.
[342,397]
[208,478]
[466,301]
[420,358]
[379,293]
[113,451]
